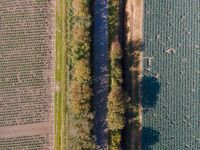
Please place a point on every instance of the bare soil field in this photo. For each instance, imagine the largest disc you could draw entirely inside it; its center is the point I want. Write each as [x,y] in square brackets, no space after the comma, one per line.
[26,74]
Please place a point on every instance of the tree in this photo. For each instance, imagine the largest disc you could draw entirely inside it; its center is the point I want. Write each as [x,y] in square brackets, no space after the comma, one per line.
[116,109]
[81,71]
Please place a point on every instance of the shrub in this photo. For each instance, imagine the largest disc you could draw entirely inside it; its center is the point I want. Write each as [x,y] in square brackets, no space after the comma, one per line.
[81,71]
[116,109]
[80,99]
[115,139]
[117,97]
[80,92]
[81,137]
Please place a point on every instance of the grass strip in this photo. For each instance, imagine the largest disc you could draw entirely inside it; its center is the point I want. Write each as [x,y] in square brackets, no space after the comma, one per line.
[60,75]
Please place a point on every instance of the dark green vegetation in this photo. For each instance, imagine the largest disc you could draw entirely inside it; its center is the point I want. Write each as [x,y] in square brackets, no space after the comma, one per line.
[171,81]
[26,74]
[117,96]
[79,91]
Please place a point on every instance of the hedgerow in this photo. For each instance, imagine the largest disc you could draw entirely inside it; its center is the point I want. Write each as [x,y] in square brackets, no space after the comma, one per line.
[80,91]
[117,96]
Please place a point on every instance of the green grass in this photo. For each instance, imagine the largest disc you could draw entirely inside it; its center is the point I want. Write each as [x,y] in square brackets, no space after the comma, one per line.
[60,76]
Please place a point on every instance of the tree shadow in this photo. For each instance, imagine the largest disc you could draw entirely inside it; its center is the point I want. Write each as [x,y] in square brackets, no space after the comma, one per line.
[142,92]
[148,87]
[132,69]
[149,138]
[150,91]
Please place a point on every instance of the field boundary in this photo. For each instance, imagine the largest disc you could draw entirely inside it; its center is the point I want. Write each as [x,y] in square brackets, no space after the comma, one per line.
[60,75]
[134,12]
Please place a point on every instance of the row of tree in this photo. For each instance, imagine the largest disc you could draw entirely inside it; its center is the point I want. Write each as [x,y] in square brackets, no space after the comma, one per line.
[80,116]
[117,97]
[80,91]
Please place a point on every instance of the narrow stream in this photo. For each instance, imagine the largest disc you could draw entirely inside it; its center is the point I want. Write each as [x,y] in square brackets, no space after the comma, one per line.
[100,70]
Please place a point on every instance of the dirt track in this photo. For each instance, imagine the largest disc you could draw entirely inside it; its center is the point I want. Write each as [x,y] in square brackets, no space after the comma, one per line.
[134,10]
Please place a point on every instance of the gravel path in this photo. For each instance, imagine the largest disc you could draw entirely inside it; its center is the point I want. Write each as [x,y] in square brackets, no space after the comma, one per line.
[100,69]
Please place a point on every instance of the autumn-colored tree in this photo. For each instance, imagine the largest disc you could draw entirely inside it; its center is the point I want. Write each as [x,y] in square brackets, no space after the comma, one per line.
[115,139]
[80,92]
[116,67]
[116,51]
[116,109]
[117,98]
[81,71]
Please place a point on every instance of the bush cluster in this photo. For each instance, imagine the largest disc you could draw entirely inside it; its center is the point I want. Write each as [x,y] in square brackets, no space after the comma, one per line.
[80,91]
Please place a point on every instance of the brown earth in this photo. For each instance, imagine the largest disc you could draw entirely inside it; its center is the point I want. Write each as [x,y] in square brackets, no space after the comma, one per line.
[26,74]
[134,12]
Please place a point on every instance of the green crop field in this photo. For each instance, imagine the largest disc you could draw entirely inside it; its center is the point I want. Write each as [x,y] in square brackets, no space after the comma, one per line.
[171,73]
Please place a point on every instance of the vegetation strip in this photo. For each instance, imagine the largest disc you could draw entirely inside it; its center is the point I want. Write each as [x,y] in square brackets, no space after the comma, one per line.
[79,109]
[60,75]
[117,97]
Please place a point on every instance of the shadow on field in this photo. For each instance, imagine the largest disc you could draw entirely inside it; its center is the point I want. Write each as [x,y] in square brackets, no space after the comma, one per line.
[149,138]
[150,91]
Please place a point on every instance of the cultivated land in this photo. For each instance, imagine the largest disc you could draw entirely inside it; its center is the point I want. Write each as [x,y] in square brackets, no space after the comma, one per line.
[171,75]
[160,74]
[26,74]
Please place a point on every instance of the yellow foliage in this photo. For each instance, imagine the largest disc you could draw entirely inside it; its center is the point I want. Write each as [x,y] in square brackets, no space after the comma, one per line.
[115,138]
[116,109]
[116,52]
[81,72]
